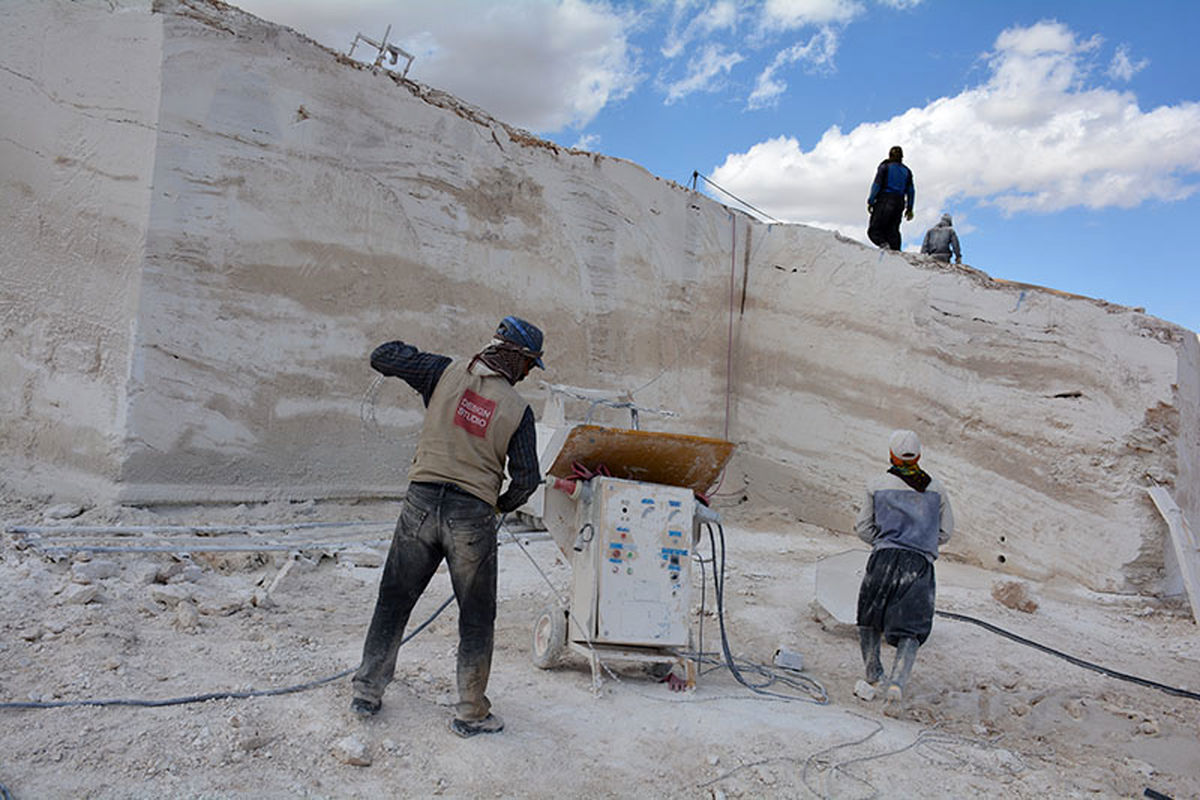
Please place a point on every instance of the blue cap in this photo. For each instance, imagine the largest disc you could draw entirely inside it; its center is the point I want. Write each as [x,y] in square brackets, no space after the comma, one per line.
[524,334]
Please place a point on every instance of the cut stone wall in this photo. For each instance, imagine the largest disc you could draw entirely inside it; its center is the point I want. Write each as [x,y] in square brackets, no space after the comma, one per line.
[1046,414]
[80,88]
[200,278]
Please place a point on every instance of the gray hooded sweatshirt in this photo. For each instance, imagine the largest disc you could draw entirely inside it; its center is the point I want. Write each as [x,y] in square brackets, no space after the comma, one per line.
[942,240]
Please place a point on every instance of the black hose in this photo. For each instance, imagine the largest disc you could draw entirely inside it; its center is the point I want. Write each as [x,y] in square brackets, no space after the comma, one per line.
[200,698]
[1079,662]
[815,690]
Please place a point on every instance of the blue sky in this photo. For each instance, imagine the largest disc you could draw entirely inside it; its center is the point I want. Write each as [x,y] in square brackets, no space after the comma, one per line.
[1062,135]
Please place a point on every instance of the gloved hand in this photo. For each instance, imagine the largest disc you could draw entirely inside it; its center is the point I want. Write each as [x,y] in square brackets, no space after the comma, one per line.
[908,215]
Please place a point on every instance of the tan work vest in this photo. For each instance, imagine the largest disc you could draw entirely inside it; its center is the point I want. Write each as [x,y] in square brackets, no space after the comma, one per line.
[468,424]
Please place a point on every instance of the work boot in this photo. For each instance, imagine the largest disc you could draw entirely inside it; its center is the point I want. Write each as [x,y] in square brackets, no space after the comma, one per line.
[466,729]
[868,639]
[906,653]
[365,708]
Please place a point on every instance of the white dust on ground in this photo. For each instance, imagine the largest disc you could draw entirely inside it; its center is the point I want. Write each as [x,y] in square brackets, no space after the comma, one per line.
[985,716]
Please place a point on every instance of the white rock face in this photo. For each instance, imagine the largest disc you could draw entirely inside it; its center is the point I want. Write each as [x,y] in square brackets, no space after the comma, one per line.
[219,219]
[76,164]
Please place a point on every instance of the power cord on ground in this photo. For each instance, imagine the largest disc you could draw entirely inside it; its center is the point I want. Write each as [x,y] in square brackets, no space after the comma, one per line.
[815,690]
[200,698]
[230,695]
[1079,662]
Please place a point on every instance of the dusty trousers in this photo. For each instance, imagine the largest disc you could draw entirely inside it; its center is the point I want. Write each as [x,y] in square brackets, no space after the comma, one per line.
[884,227]
[437,521]
[897,595]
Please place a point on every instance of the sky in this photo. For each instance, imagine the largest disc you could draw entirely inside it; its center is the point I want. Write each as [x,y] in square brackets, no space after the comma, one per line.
[1063,136]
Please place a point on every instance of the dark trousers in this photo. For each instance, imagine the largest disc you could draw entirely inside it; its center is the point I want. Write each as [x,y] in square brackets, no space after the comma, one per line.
[897,595]
[884,227]
[437,521]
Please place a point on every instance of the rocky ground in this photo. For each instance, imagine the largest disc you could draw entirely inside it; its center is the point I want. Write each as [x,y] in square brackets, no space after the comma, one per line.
[986,716]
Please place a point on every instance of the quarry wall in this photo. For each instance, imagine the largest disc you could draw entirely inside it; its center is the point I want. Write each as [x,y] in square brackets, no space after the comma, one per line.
[80,90]
[220,219]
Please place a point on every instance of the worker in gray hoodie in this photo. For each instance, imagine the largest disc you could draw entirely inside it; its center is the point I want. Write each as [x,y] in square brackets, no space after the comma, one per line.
[905,517]
[941,241]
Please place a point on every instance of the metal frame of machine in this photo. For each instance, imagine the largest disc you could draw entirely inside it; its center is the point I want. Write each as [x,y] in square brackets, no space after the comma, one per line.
[629,536]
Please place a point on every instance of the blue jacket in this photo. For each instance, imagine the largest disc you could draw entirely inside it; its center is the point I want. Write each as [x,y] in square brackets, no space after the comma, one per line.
[892,177]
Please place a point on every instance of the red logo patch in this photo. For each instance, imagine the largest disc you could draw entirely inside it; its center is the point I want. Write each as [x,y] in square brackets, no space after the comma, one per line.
[474,413]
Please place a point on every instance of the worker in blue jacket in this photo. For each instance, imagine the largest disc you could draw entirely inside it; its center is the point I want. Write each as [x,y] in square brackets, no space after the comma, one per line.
[892,194]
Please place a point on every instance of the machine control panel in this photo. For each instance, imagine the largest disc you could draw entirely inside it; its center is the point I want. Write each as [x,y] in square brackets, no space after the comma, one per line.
[641,560]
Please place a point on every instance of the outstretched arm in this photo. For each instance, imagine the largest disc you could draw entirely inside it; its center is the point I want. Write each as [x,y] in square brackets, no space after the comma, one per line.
[418,369]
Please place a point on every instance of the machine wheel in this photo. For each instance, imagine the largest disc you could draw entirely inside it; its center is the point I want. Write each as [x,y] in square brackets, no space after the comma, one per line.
[549,637]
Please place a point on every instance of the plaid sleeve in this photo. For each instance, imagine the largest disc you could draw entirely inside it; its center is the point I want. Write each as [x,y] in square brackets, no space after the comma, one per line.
[419,370]
[522,465]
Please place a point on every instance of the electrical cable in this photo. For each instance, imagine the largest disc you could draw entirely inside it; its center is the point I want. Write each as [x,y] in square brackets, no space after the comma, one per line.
[366,409]
[521,544]
[700,640]
[729,345]
[265,547]
[816,691]
[1079,662]
[697,174]
[200,698]
[126,530]
[580,471]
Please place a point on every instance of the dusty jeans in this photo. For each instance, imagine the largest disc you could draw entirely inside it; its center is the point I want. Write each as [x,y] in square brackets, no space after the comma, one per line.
[437,521]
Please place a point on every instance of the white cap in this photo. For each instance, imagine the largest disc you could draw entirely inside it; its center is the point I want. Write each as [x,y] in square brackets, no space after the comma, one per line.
[905,445]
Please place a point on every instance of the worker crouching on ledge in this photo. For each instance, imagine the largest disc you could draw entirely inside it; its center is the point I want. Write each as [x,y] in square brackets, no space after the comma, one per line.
[475,424]
[905,517]
[941,241]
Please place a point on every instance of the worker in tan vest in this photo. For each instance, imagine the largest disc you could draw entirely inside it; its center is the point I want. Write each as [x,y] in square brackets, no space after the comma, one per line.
[475,424]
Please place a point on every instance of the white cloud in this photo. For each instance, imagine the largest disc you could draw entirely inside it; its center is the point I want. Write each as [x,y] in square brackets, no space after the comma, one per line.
[817,52]
[1122,67]
[588,141]
[791,14]
[704,72]
[720,16]
[545,65]
[1033,137]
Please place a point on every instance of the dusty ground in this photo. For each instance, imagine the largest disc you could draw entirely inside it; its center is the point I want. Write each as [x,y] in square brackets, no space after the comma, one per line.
[986,717]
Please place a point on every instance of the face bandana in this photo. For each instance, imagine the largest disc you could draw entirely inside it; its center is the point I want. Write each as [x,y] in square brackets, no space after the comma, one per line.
[910,473]
[505,358]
